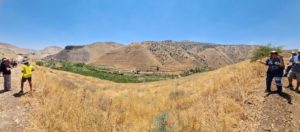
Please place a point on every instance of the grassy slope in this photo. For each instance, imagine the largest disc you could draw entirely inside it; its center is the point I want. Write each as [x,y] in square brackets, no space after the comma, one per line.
[212,101]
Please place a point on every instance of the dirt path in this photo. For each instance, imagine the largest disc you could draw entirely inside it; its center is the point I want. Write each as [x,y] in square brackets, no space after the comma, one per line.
[12,110]
[280,113]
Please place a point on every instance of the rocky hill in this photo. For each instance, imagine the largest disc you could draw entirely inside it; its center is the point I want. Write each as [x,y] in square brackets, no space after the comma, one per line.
[52,50]
[85,53]
[164,56]
[6,48]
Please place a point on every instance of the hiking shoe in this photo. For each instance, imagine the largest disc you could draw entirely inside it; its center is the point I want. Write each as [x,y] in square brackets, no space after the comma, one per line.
[267,91]
[290,86]
[21,92]
[279,92]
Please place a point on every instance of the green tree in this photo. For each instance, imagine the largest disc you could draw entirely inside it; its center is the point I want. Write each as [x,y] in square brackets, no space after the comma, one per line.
[264,51]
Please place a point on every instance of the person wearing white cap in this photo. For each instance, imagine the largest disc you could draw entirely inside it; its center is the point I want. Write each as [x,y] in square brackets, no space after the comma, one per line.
[275,71]
[290,66]
[6,71]
[295,74]
[27,75]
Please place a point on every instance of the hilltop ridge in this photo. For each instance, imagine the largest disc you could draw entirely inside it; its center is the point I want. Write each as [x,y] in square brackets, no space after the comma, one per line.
[6,48]
[84,53]
[163,56]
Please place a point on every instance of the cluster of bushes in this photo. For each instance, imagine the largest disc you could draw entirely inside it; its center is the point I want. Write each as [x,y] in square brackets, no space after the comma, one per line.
[39,63]
[49,63]
[264,51]
[195,70]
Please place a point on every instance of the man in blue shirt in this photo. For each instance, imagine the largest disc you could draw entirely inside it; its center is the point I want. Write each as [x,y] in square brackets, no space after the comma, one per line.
[290,66]
[295,74]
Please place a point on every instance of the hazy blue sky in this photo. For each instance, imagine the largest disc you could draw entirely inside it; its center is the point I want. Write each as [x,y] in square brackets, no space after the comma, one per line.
[40,23]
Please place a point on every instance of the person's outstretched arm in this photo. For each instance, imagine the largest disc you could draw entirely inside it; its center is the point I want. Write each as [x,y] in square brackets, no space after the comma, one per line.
[261,62]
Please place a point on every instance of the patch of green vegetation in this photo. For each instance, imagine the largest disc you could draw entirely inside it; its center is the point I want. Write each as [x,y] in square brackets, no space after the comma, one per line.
[102,73]
[264,51]
[112,75]
[161,122]
[40,63]
[195,70]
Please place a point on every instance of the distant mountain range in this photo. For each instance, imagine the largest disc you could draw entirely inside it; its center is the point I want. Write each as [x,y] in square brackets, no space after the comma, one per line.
[164,56]
[6,48]
[9,49]
[51,50]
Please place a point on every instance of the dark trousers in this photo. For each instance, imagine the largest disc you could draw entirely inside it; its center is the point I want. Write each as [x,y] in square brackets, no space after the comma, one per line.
[7,82]
[277,77]
[287,70]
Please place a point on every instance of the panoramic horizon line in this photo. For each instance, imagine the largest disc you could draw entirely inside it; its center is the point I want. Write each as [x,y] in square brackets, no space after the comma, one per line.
[145,41]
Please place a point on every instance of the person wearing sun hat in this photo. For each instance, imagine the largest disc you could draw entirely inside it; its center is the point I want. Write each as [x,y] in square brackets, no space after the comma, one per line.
[295,74]
[290,66]
[6,72]
[27,69]
[275,71]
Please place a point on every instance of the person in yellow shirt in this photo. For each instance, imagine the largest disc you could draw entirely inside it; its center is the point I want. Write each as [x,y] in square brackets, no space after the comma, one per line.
[27,74]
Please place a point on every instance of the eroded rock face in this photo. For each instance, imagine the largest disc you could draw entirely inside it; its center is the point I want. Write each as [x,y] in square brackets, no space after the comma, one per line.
[194,54]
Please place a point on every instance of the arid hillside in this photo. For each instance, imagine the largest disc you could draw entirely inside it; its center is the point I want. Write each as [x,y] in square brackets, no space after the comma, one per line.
[165,56]
[6,48]
[201,102]
[52,50]
[85,53]
[235,101]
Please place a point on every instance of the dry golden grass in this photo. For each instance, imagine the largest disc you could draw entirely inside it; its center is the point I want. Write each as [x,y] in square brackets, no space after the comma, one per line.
[212,101]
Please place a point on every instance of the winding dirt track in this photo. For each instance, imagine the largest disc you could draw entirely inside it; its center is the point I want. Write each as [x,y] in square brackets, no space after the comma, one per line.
[281,113]
[12,110]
